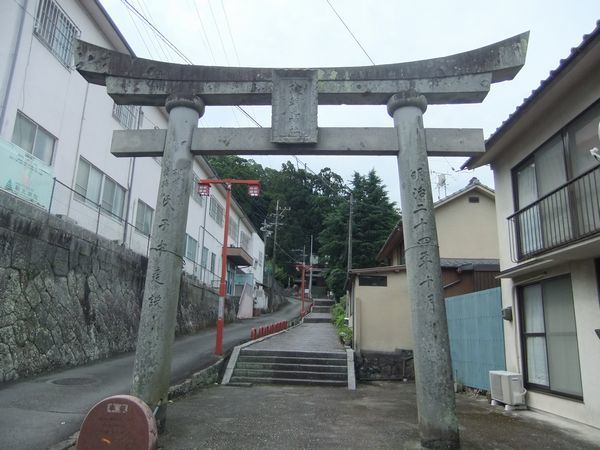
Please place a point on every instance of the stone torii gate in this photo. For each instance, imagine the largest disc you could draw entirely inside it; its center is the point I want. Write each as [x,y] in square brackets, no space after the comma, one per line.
[295,94]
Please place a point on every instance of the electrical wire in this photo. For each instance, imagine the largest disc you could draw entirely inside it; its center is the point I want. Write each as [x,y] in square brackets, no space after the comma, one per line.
[204,34]
[237,56]
[212,13]
[350,31]
[177,51]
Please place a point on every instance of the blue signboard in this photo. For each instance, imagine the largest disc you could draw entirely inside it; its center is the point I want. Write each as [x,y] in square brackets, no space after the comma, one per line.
[25,176]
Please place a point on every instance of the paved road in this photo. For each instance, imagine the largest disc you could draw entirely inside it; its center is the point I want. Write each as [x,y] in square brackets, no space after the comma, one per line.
[39,412]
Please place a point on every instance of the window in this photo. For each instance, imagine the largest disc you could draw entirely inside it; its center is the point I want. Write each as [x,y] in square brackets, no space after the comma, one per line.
[204,257]
[33,139]
[88,183]
[56,30]
[216,211]
[127,115]
[244,240]
[191,245]
[555,193]
[113,197]
[213,260]
[91,185]
[143,218]
[549,337]
[474,199]
[197,197]
[234,228]
[260,258]
[372,280]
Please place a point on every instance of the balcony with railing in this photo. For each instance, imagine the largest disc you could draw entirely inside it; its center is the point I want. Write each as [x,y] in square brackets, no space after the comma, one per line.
[568,214]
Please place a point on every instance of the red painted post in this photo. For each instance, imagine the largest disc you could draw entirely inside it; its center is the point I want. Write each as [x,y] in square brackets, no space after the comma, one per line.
[302,293]
[223,283]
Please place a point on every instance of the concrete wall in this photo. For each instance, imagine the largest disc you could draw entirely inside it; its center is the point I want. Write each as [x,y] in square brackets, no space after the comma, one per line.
[382,318]
[80,116]
[68,297]
[467,230]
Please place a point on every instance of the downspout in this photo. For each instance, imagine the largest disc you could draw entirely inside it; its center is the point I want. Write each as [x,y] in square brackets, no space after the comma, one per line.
[81,120]
[203,267]
[13,64]
[130,181]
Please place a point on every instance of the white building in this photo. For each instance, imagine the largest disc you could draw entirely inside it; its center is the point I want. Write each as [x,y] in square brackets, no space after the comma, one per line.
[548,213]
[55,135]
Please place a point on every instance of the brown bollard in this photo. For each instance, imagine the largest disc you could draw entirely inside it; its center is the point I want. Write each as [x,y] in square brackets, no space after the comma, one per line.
[120,422]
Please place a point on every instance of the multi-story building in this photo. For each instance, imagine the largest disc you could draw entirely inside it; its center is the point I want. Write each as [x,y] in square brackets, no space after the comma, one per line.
[56,130]
[547,180]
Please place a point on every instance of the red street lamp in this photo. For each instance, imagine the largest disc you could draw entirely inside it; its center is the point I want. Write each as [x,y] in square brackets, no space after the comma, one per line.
[203,188]
[302,268]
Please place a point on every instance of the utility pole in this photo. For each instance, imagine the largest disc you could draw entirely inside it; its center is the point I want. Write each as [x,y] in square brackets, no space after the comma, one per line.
[275,236]
[350,235]
[310,261]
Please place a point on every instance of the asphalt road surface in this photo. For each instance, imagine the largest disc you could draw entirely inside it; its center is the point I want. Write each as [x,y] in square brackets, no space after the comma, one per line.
[36,413]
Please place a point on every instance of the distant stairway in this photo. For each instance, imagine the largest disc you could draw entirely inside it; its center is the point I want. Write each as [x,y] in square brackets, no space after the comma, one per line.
[321,311]
[291,367]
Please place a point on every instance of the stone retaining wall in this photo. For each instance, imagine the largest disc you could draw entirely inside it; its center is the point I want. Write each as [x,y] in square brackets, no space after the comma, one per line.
[396,365]
[68,297]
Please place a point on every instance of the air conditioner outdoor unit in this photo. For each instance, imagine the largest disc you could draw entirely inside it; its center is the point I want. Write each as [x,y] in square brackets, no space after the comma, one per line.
[507,388]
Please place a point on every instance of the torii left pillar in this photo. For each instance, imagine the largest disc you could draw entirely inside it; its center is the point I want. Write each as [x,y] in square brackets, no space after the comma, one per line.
[152,367]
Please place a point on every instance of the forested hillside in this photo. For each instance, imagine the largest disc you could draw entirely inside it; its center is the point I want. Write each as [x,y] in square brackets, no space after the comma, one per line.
[317,205]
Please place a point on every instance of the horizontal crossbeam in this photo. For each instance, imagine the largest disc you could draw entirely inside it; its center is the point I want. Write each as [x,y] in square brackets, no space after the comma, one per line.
[331,141]
[461,78]
[438,91]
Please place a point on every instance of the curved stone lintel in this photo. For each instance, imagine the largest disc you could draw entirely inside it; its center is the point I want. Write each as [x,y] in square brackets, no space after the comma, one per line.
[502,59]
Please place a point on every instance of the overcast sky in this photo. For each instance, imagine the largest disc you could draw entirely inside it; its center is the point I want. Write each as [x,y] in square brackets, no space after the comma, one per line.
[307,33]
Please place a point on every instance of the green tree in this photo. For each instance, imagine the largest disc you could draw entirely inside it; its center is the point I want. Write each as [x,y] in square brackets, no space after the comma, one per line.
[374,216]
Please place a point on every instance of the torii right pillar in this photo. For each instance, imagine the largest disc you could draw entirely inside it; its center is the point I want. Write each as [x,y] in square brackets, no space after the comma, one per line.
[438,426]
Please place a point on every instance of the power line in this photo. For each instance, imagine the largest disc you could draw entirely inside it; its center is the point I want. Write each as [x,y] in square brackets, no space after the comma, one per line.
[237,56]
[212,13]
[177,51]
[204,34]
[156,30]
[350,31]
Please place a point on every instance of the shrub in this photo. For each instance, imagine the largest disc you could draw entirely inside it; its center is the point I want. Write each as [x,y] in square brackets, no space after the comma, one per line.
[338,316]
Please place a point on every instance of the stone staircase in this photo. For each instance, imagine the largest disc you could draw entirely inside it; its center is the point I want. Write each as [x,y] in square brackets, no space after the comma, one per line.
[290,367]
[321,311]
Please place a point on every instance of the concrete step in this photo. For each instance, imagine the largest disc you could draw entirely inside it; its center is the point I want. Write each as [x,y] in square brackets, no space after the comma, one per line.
[323,302]
[289,360]
[320,318]
[321,309]
[330,368]
[263,380]
[289,374]
[294,354]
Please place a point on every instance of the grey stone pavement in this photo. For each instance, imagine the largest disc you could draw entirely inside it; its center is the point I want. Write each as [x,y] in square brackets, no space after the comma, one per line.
[376,415]
[306,337]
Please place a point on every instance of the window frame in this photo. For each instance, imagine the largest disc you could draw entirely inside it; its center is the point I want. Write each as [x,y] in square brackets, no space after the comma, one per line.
[145,208]
[523,335]
[216,211]
[564,135]
[189,238]
[48,17]
[37,129]
[128,116]
[101,191]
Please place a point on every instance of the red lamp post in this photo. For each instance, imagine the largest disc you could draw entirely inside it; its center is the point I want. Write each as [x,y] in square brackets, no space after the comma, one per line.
[302,268]
[203,188]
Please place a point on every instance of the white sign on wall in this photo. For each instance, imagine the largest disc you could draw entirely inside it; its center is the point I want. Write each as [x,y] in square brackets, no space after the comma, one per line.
[23,175]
